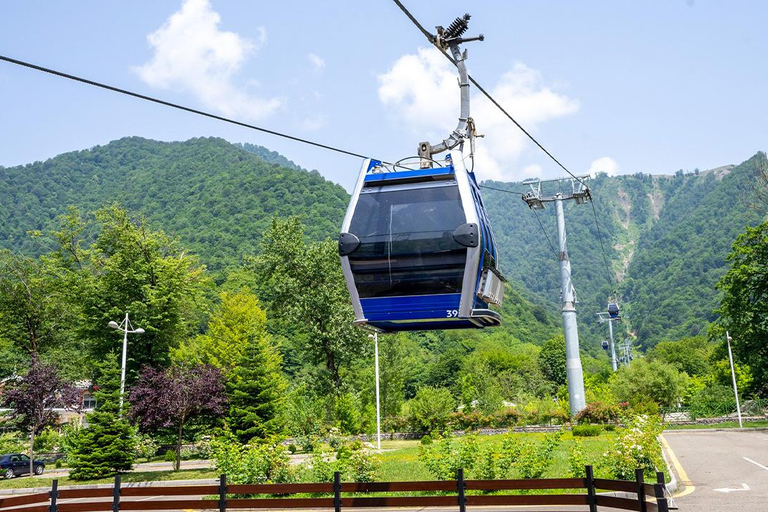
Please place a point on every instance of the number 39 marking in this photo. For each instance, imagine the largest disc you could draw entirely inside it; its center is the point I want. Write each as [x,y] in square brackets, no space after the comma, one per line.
[452,313]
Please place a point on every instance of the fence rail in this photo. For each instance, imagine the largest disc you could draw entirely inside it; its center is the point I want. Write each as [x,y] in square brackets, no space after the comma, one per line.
[637,495]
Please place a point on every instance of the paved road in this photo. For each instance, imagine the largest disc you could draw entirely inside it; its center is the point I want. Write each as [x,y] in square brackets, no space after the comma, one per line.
[728,470]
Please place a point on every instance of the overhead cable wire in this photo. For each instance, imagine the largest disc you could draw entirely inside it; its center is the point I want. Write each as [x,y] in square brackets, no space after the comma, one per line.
[178,106]
[480,88]
[551,246]
[432,40]
[515,192]
[611,275]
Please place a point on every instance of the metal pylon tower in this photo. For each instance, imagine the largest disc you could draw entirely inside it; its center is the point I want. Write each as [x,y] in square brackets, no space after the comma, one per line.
[604,317]
[579,192]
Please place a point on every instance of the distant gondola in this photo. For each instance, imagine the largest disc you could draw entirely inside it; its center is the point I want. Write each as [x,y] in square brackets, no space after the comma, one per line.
[416,246]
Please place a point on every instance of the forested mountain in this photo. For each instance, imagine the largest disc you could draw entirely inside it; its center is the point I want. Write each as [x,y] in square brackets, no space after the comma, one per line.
[217,198]
[665,238]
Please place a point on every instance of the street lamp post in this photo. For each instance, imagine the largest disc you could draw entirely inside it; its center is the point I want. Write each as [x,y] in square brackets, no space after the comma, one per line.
[375,337]
[733,376]
[125,327]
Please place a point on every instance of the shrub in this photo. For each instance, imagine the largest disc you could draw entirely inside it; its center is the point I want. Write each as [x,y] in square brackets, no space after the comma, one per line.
[544,411]
[307,443]
[260,461]
[348,413]
[576,460]
[487,466]
[598,412]
[170,456]
[145,447]
[586,430]
[431,408]
[292,448]
[12,442]
[534,458]
[396,424]
[357,465]
[636,446]
[426,439]
[47,441]
[446,455]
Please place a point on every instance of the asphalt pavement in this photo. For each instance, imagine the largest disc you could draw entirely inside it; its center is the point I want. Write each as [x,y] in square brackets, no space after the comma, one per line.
[720,470]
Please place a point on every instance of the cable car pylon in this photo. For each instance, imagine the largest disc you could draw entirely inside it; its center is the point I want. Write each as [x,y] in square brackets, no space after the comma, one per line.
[612,315]
[535,199]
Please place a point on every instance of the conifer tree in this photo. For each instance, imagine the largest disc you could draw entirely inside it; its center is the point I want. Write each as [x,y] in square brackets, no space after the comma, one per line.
[256,389]
[106,446]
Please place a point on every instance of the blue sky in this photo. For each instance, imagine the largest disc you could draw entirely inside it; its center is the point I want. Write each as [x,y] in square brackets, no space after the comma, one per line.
[619,86]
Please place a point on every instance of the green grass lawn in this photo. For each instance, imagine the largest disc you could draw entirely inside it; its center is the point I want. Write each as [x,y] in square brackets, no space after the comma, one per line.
[399,462]
[400,459]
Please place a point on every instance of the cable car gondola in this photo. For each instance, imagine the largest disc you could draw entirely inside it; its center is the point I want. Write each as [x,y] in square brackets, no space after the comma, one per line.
[416,246]
[613,310]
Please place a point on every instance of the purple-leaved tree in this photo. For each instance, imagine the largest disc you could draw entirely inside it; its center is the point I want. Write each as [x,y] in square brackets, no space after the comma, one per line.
[171,397]
[34,397]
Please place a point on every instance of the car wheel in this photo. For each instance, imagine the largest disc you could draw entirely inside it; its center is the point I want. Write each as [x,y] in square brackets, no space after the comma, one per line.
[38,470]
[9,474]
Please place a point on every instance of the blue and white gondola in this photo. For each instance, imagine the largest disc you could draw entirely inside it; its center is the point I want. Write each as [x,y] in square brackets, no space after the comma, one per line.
[417,250]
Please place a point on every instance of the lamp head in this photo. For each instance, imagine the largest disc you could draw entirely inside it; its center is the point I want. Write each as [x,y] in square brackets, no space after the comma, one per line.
[113,325]
[139,331]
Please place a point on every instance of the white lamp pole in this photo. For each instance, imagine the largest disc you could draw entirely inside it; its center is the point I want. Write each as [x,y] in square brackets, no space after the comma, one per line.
[733,376]
[375,337]
[125,327]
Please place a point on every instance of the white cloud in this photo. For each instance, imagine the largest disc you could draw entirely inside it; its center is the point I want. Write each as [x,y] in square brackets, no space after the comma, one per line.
[313,123]
[531,171]
[605,164]
[193,54]
[422,91]
[317,62]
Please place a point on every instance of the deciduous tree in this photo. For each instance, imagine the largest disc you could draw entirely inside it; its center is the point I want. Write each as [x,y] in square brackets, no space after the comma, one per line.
[744,306]
[174,396]
[34,397]
[304,288]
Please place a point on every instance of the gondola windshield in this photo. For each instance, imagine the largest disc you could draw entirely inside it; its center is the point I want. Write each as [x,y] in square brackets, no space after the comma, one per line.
[406,242]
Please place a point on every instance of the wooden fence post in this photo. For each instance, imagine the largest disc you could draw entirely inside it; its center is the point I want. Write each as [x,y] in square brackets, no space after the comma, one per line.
[589,483]
[337,491]
[461,485]
[223,493]
[54,494]
[640,489]
[661,500]
[116,494]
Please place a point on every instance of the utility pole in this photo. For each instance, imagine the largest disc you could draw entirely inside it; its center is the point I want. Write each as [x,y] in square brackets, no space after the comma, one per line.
[580,193]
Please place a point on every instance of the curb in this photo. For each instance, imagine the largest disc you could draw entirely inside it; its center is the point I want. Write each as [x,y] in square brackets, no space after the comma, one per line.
[672,485]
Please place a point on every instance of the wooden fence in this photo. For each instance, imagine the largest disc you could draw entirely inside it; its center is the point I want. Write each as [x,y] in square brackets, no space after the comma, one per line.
[460,493]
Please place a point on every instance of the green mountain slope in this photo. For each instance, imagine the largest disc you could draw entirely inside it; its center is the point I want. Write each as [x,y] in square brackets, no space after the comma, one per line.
[665,237]
[670,282]
[217,198]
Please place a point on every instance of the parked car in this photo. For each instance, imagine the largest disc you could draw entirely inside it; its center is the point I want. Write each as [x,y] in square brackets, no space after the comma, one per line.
[15,464]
